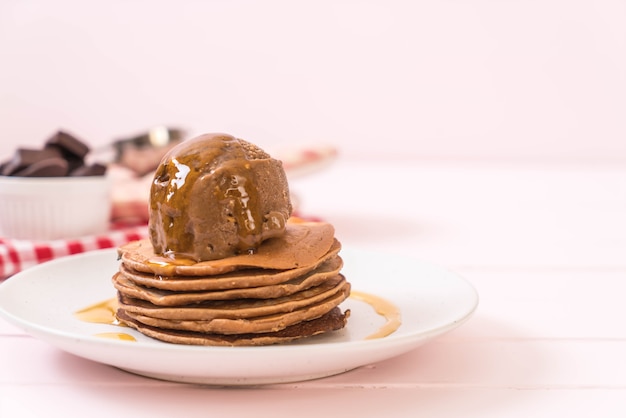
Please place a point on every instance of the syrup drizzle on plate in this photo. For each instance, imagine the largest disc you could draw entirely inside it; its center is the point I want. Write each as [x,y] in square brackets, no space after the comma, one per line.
[104,313]
[384,308]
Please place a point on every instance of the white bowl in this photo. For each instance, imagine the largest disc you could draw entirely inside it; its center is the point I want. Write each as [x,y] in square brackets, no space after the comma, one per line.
[48,208]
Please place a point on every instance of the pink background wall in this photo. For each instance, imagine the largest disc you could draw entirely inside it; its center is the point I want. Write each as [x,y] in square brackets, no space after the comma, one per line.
[516,79]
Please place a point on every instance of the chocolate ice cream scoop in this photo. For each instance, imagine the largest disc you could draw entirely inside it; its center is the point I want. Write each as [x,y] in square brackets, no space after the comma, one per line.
[216,196]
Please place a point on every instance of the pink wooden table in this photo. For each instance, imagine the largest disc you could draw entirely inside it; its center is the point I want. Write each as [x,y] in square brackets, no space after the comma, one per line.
[543,244]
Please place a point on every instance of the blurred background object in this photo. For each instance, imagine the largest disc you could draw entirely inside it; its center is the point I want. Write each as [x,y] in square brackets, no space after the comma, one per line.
[142,153]
[50,208]
[398,79]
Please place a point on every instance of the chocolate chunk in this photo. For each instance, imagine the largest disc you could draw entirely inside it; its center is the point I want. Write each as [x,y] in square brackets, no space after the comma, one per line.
[73,161]
[62,155]
[68,144]
[89,170]
[50,167]
[24,157]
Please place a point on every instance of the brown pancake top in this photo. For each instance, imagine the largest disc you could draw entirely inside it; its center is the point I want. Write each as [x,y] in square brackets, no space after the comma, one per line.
[240,279]
[302,244]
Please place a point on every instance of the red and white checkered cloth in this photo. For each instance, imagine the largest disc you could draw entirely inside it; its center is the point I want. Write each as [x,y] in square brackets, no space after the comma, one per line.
[17,255]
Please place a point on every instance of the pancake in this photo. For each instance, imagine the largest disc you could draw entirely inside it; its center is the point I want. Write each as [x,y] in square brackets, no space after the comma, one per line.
[302,244]
[331,321]
[240,308]
[261,324]
[290,288]
[241,279]
[324,274]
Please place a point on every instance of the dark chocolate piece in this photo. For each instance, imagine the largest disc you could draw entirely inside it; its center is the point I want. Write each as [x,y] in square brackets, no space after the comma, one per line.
[73,161]
[24,157]
[50,167]
[62,155]
[89,170]
[68,144]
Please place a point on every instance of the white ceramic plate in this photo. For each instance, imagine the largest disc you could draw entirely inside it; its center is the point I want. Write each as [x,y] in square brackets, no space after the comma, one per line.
[42,300]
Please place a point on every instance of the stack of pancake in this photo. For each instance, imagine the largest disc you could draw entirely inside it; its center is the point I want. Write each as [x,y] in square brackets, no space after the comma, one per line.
[290,288]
